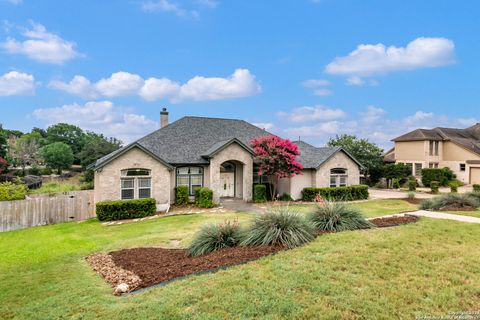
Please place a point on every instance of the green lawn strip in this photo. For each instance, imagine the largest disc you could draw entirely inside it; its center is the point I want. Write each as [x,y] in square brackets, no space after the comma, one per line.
[399,272]
[466,213]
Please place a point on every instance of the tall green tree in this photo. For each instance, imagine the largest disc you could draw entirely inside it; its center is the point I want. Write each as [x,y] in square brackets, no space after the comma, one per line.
[3,142]
[367,153]
[95,147]
[69,134]
[57,155]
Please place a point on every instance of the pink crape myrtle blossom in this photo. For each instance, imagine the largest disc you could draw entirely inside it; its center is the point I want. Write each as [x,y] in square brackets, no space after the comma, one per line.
[276,158]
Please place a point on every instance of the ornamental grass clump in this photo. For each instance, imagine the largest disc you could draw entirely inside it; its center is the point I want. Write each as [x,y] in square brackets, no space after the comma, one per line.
[212,237]
[279,226]
[451,201]
[337,216]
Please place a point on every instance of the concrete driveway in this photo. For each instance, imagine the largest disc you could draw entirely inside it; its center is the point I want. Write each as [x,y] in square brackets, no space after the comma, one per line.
[395,194]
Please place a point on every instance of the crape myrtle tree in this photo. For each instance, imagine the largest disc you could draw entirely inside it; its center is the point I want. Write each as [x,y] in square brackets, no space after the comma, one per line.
[276,158]
[24,151]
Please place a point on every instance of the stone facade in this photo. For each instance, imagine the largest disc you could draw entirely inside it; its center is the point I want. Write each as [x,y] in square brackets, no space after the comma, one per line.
[339,160]
[242,158]
[107,179]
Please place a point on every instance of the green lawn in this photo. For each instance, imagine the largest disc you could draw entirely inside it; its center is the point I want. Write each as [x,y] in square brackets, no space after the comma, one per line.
[467,213]
[427,268]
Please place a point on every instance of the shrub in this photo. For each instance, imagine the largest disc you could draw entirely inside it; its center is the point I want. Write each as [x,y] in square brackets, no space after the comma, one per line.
[285,197]
[434,186]
[46,171]
[411,195]
[278,226]
[476,188]
[337,217]
[358,192]
[204,197]
[15,190]
[380,185]
[3,165]
[396,184]
[212,237]
[35,171]
[181,195]
[125,209]
[259,193]
[442,176]
[412,185]
[453,186]
[450,201]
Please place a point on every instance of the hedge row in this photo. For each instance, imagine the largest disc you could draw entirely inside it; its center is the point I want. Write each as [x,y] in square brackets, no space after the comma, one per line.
[442,176]
[182,195]
[259,193]
[204,197]
[357,192]
[126,209]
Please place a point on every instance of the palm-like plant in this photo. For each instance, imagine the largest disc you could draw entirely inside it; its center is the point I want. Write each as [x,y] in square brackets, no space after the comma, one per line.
[337,216]
[212,237]
[279,226]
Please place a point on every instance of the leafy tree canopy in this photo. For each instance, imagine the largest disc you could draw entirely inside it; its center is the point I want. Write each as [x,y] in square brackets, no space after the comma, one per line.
[69,134]
[96,146]
[366,152]
[57,155]
[3,142]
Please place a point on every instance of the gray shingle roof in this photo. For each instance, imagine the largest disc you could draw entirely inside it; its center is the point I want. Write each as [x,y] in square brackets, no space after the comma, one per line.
[468,138]
[191,140]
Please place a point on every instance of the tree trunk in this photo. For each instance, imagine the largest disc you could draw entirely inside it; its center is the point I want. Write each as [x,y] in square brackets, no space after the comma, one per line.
[273,190]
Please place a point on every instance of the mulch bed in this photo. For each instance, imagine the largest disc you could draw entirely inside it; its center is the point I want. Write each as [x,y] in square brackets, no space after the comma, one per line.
[414,200]
[393,221]
[132,269]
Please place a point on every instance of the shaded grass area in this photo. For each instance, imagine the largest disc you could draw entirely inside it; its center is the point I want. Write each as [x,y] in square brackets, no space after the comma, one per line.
[397,272]
[55,187]
[373,208]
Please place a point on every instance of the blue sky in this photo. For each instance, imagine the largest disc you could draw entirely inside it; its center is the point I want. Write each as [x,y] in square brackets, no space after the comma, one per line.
[298,68]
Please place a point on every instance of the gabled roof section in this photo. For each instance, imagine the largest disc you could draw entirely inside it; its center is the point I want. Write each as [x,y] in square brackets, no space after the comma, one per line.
[468,138]
[112,156]
[312,157]
[189,139]
[219,146]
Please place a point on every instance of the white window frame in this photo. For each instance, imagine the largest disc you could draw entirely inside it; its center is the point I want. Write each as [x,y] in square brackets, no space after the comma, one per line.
[463,167]
[143,175]
[415,169]
[189,176]
[336,178]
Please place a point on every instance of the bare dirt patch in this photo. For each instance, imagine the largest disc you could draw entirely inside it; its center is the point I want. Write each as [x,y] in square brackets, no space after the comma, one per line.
[393,221]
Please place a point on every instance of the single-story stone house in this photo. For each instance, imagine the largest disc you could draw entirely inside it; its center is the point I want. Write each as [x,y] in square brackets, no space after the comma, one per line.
[210,152]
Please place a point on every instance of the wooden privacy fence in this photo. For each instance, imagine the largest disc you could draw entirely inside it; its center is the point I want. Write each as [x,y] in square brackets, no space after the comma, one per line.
[43,210]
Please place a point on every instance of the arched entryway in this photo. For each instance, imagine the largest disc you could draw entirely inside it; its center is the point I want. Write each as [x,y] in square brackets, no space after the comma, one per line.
[231,179]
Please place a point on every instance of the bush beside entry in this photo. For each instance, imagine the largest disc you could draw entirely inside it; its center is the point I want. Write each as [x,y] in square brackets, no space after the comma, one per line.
[125,209]
[476,188]
[358,192]
[181,195]
[204,197]
[259,193]
[442,176]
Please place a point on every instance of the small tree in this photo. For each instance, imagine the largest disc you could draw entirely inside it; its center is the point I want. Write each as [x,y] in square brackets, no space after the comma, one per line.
[276,159]
[58,156]
[24,151]
[3,165]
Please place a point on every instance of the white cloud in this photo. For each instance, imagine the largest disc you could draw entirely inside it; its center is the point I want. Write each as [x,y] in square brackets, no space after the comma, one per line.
[101,116]
[119,84]
[155,89]
[322,92]
[79,86]
[168,6]
[315,113]
[16,83]
[264,125]
[371,59]
[208,3]
[315,83]
[241,83]
[372,114]
[41,45]
[355,81]
[15,2]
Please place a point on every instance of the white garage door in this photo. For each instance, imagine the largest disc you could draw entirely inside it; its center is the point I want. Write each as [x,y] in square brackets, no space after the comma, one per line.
[475,175]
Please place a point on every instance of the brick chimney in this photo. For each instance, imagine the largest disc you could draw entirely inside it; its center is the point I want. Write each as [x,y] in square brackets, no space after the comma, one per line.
[163,118]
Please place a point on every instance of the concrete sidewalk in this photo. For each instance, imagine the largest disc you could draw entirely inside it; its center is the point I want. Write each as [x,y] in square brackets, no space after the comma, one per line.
[435,215]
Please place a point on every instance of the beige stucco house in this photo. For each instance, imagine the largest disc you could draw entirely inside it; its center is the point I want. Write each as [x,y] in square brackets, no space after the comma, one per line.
[210,152]
[457,149]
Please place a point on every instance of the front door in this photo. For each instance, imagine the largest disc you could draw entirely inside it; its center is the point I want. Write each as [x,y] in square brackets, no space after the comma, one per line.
[227,184]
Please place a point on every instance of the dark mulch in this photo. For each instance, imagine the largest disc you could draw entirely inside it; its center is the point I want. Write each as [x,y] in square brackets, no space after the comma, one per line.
[414,200]
[455,207]
[393,221]
[156,265]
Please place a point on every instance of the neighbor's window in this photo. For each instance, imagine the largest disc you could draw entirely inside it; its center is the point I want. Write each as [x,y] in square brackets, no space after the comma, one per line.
[191,177]
[434,148]
[462,167]
[433,165]
[136,184]
[338,177]
[418,169]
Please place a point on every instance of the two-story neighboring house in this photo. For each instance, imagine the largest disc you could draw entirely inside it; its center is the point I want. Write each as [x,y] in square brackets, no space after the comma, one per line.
[457,149]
